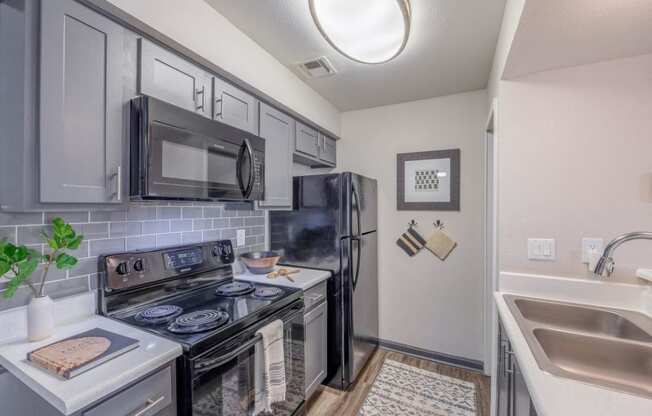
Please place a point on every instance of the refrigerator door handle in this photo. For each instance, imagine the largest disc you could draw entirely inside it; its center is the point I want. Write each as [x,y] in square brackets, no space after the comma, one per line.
[357,240]
[357,210]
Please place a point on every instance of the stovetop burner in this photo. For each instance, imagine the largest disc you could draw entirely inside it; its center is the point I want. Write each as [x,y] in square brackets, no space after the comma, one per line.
[158,314]
[267,292]
[199,321]
[235,289]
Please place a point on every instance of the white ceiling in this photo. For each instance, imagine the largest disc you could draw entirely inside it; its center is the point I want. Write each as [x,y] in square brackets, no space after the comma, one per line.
[450,49]
[562,33]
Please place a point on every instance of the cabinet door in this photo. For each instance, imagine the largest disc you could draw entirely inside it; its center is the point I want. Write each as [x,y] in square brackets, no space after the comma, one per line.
[503,381]
[327,149]
[278,131]
[234,106]
[307,140]
[167,76]
[81,118]
[522,404]
[316,345]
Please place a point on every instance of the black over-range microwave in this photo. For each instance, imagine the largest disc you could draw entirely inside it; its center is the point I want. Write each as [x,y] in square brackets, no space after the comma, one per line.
[177,154]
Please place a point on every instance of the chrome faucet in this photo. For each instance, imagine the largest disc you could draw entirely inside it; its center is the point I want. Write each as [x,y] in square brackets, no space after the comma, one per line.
[607,262]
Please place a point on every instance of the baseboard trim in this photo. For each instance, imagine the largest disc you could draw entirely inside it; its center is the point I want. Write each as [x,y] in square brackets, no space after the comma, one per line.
[432,355]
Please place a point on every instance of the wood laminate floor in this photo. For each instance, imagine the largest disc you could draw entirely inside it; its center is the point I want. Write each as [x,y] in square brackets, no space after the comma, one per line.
[330,402]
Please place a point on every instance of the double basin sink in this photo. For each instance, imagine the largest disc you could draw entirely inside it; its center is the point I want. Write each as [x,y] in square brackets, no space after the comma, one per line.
[608,347]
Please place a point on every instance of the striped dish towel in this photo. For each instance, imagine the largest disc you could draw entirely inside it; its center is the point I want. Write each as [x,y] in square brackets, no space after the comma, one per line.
[411,242]
[272,368]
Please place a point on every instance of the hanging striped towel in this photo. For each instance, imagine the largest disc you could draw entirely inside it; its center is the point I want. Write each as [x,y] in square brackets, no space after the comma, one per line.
[273,368]
[411,242]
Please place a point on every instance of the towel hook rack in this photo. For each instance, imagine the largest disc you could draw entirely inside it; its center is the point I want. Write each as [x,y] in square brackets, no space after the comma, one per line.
[412,223]
[439,224]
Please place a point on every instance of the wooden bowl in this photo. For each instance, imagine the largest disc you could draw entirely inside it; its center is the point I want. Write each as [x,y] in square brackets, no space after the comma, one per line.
[260,262]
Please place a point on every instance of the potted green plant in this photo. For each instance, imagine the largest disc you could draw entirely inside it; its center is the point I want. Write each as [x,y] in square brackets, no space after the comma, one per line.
[18,264]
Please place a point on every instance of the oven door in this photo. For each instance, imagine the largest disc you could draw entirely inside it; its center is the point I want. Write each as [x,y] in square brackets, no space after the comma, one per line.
[225,381]
[186,165]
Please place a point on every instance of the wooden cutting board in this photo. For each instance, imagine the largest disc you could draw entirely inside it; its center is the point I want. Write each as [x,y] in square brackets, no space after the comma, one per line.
[62,357]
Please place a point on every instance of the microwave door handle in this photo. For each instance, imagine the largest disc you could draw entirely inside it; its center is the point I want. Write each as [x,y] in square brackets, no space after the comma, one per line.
[238,168]
[252,171]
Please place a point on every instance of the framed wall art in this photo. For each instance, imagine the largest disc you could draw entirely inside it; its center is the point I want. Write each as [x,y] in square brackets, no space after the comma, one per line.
[428,181]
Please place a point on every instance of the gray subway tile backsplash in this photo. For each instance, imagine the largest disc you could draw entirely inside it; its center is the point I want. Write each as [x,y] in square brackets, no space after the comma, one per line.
[192,212]
[71,217]
[180,225]
[8,233]
[21,219]
[166,240]
[155,227]
[167,213]
[142,226]
[142,242]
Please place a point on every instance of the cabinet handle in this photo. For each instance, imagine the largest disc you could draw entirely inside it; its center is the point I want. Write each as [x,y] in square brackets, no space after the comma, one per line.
[202,92]
[218,114]
[117,177]
[149,405]
[316,298]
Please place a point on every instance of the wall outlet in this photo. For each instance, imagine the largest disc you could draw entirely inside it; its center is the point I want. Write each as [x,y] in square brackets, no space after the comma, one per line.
[589,245]
[541,249]
[240,237]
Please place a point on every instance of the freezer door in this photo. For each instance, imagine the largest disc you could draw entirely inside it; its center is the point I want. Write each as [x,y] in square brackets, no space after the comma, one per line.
[363,203]
[361,291]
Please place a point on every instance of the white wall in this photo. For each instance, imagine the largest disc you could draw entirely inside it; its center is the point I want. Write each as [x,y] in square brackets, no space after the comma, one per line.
[576,161]
[199,27]
[425,302]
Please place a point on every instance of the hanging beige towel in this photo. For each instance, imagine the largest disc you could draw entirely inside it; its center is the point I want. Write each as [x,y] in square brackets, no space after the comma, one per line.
[440,244]
[273,367]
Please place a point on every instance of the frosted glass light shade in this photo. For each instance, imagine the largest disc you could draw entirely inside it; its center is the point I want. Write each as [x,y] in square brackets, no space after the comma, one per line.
[366,31]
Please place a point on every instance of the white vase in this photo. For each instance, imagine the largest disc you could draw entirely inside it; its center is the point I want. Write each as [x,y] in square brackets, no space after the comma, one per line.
[40,318]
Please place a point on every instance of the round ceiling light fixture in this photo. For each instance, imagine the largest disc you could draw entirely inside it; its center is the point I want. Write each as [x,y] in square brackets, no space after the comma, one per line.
[366,31]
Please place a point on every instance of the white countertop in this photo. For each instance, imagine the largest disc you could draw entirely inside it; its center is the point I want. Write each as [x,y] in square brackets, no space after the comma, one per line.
[69,396]
[557,396]
[303,280]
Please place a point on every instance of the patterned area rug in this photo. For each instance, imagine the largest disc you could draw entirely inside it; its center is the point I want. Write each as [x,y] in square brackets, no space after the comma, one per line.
[403,390]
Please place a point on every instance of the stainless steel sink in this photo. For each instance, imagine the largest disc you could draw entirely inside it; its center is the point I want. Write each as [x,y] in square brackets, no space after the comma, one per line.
[608,347]
[584,319]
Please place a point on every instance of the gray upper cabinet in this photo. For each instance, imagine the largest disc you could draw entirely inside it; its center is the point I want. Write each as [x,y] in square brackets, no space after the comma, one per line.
[80,105]
[167,76]
[278,131]
[327,149]
[307,140]
[234,106]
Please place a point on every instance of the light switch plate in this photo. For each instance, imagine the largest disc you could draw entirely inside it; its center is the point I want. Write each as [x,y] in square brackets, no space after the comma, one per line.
[541,249]
[589,244]
[240,237]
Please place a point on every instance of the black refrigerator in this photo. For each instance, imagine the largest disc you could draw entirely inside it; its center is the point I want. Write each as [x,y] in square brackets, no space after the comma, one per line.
[333,226]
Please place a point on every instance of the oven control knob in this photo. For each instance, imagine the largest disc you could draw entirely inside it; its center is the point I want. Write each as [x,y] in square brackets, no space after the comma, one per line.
[138,265]
[122,269]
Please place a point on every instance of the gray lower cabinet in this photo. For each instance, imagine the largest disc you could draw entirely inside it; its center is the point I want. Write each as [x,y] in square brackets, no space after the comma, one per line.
[152,395]
[316,338]
[81,105]
[277,129]
[167,76]
[234,107]
[513,397]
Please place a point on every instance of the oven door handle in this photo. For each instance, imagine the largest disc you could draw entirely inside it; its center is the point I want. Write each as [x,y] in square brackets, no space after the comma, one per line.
[209,365]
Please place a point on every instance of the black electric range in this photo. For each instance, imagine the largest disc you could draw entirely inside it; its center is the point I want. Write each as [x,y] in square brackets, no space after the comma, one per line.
[187,294]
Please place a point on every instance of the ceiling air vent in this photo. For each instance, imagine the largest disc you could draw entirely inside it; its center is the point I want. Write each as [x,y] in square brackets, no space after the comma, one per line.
[317,68]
